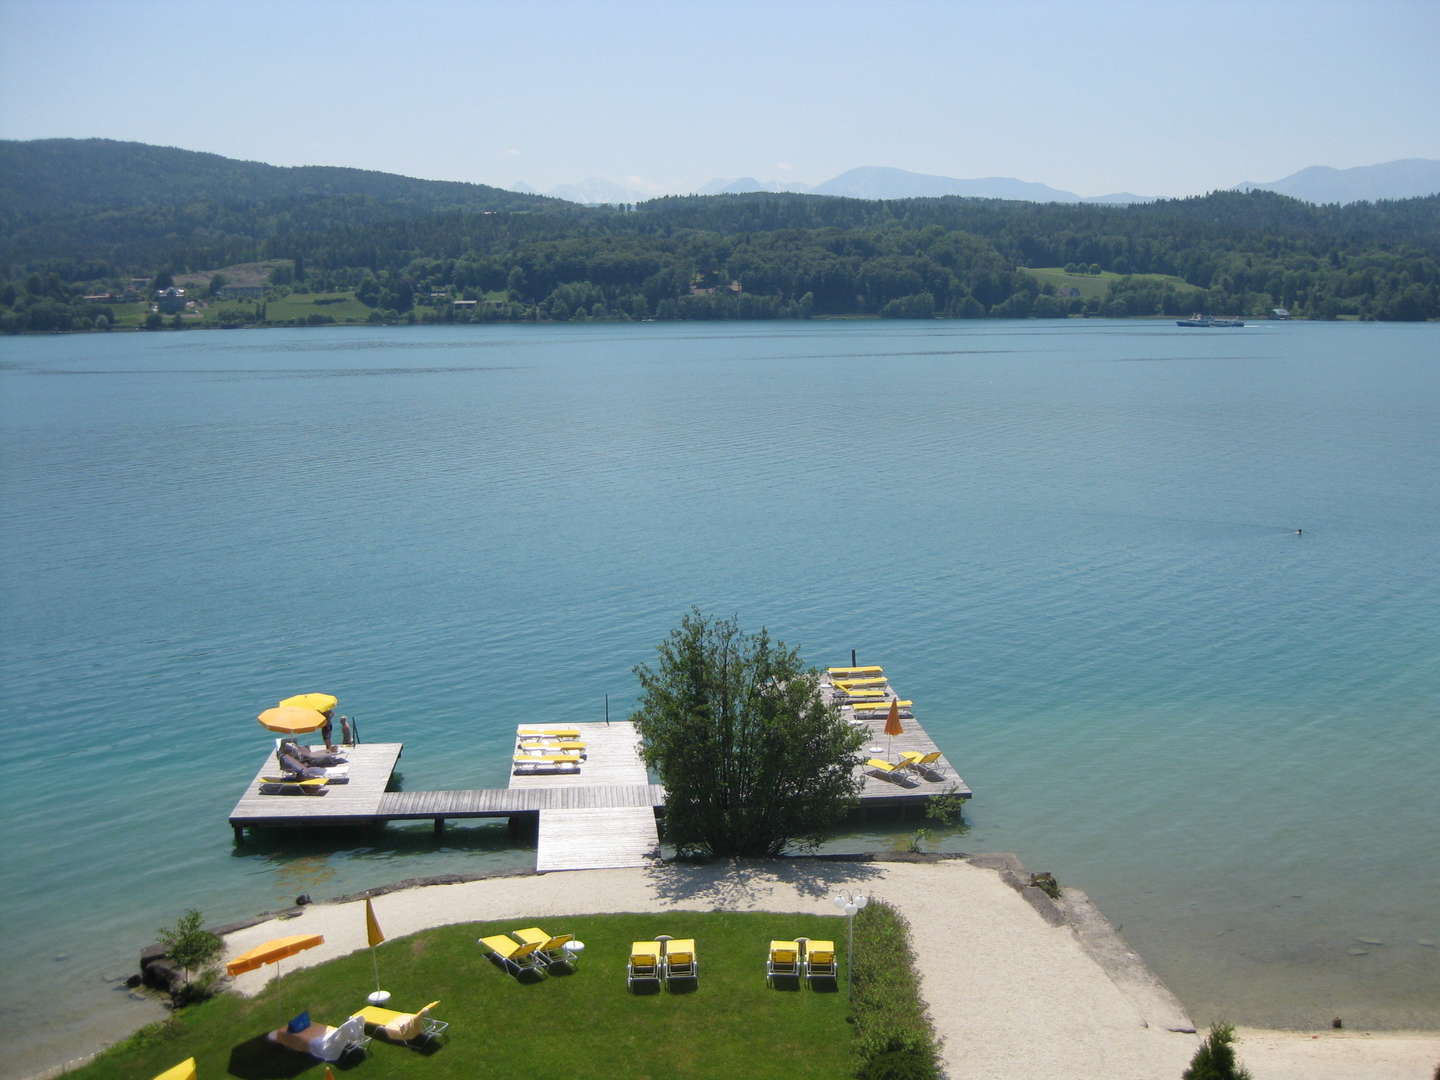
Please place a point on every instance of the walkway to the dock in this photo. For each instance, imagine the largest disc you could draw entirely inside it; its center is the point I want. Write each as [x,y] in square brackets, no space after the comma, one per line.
[609,830]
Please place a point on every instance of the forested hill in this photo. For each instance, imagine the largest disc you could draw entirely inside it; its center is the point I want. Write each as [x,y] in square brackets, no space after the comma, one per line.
[58,177]
[83,217]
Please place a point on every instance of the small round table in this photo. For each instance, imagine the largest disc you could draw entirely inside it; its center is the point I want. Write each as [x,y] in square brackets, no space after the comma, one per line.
[379,997]
[574,949]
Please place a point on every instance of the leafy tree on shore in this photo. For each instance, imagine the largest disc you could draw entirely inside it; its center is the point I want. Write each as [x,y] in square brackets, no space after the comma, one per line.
[190,946]
[752,757]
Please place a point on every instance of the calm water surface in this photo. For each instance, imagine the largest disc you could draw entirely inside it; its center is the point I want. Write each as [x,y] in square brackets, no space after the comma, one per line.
[1072,543]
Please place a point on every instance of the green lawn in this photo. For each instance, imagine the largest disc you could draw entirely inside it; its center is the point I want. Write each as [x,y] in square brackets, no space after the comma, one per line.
[579,1025]
[1093,285]
[342,307]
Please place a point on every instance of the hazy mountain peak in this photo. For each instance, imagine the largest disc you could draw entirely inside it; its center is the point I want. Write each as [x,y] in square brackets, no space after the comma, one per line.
[1403,179]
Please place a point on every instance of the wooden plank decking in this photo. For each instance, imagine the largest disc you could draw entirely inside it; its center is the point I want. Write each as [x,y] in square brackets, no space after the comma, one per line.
[877,790]
[371,765]
[503,802]
[597,838]
[602,830]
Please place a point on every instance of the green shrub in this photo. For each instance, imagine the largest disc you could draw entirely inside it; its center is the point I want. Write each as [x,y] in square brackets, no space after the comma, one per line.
[907,1064]
[893,1033]
[1215,1060]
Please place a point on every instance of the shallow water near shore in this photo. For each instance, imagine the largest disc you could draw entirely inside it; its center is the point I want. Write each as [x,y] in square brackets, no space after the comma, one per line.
[1073,544]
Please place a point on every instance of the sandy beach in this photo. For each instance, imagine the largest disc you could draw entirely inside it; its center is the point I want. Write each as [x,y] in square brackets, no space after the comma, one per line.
[1017,986]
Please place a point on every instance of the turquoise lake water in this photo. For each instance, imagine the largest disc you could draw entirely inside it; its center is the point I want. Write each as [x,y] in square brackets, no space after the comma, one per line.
[1073,544]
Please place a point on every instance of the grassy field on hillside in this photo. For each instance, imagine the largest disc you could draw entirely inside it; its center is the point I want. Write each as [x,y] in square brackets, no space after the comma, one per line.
[341,306]
[1092,285]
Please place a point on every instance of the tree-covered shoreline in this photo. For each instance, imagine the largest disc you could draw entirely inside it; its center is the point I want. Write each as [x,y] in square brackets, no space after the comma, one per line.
[77,223]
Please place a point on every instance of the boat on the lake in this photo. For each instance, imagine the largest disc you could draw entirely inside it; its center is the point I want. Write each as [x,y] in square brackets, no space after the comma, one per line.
[1208,321]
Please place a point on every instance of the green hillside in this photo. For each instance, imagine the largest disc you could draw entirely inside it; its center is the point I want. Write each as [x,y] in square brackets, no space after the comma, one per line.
[115,221]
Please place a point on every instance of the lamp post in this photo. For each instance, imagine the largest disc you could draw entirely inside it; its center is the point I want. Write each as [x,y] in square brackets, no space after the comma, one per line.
[849,904]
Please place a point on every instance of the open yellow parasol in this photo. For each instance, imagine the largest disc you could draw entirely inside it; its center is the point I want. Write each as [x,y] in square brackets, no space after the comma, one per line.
[272,952]
[318,702]
[291,719]
[184,1071]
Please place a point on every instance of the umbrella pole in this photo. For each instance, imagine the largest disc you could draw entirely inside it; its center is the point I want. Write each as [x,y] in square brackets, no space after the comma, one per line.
[375,963]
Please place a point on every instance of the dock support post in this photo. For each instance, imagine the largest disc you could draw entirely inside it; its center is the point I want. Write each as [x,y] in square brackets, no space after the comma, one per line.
[852,658]
[439,825]
[239,833]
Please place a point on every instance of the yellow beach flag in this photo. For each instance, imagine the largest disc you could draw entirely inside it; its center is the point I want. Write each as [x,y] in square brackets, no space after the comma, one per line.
[372,928]
[374,937]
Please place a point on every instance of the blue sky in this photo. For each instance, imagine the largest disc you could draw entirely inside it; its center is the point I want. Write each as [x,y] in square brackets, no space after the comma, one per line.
[1160,98]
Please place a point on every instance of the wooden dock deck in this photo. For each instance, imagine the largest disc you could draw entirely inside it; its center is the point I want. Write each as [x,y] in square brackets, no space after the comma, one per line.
[601,815]
[371,765]
[606,830]
[879,791]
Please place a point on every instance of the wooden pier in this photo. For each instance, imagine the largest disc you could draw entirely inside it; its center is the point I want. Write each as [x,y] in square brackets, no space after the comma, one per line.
[912,785]
[599,815]
[357,802]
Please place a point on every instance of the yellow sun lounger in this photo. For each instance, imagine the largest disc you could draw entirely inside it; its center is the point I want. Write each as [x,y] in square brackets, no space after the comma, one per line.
[866,695]
[819,960]
[564,747]
[784,960]
[548,732]
[547,762]
[293,787]
[305,780]
[549,948]
[644,965]
[879,706]
[851,684]
[899,771]
[914,759]
[512,954]
[414,1028]
[680,961]
[869,671]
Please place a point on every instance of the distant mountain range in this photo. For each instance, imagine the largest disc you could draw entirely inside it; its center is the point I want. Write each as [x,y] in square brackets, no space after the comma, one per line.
[866,182]
[1402,179]
[1318,184]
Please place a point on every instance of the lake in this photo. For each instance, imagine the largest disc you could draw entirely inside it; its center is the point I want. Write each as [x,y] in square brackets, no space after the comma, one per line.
[1073,543]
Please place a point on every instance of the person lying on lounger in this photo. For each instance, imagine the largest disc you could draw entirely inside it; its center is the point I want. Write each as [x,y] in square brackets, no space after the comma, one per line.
[305,756]
[293,766]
